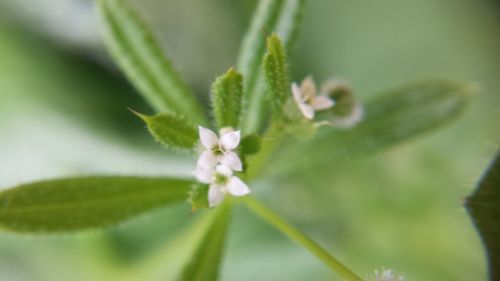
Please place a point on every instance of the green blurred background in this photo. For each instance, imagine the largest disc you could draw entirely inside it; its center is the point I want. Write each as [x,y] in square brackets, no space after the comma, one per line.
[63,112]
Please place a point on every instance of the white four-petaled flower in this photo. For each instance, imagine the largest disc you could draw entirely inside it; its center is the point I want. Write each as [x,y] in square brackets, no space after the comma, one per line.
[217,162]
[221,181]
[307,99]
[219,150]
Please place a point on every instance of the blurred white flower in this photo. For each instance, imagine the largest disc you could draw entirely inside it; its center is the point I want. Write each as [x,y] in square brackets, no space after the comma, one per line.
[348,112]
[221,181]
[385,275]
[219,150]
[307,99]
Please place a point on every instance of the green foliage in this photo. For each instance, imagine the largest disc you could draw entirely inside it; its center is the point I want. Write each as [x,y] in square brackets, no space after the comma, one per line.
[204,265]
[89,202]
[141,58]
[484,207]
[198,197]
[227,92]
[300,238]
[282,17]
[289,22]
[250,144]
[276,73]
[253,45]
[170,130]
[81,203]
[388,120]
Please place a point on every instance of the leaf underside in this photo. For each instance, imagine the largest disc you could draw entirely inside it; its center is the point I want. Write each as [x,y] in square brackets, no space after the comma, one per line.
[484,208]
[89,202]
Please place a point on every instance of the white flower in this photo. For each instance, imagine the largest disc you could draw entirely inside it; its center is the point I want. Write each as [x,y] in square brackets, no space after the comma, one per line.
[219,150]
[385,275]
[221,181]
[307,100]
[341,93]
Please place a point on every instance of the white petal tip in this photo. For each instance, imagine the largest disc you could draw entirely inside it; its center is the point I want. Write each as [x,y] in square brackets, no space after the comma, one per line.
[237,187]
[231,140]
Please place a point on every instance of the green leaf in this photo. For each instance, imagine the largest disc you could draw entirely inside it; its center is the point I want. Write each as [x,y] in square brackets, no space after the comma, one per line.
[254,42]
[276,73]
[165,261]
[170,130]
[89,202]
[388,120]
[250,144]
[198,197]
[289,22]
[227,92]
[484,207]
[300,238]
[204,265]
[140,56]
[282,17]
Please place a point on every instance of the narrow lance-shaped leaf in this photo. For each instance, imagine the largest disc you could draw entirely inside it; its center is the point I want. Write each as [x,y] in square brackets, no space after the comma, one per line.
[89,202]
[254,42]
[141,58]
[484,207]
[289,22]
[170,130]
[165,261]
[227,92]
[388,120]
[282,17]
[204,265]
[276,73]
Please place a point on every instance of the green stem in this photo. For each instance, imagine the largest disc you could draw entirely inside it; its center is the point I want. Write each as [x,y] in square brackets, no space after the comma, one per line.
[273,137]
[299,237]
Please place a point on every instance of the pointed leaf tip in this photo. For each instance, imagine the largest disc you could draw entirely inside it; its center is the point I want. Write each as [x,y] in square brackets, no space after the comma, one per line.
[484,208]
[171,130]
[276,74]
[227,92]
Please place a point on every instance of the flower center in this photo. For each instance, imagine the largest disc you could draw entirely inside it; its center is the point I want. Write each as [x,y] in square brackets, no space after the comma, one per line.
[220,179]
[217,150]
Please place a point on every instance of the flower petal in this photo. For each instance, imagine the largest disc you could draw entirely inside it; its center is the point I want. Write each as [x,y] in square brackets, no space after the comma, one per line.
[230,140]
[208,138]
[322,103]
[204,175]
[207,160]
[232,160]
[308,88]
[224,170]
[297,95]
[307,110]
[215,196]
[237,187]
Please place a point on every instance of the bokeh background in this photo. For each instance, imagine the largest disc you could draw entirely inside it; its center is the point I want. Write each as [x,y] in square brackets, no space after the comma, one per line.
[63,112]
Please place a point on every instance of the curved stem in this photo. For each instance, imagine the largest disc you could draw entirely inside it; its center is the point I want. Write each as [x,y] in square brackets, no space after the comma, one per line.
[299,237]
